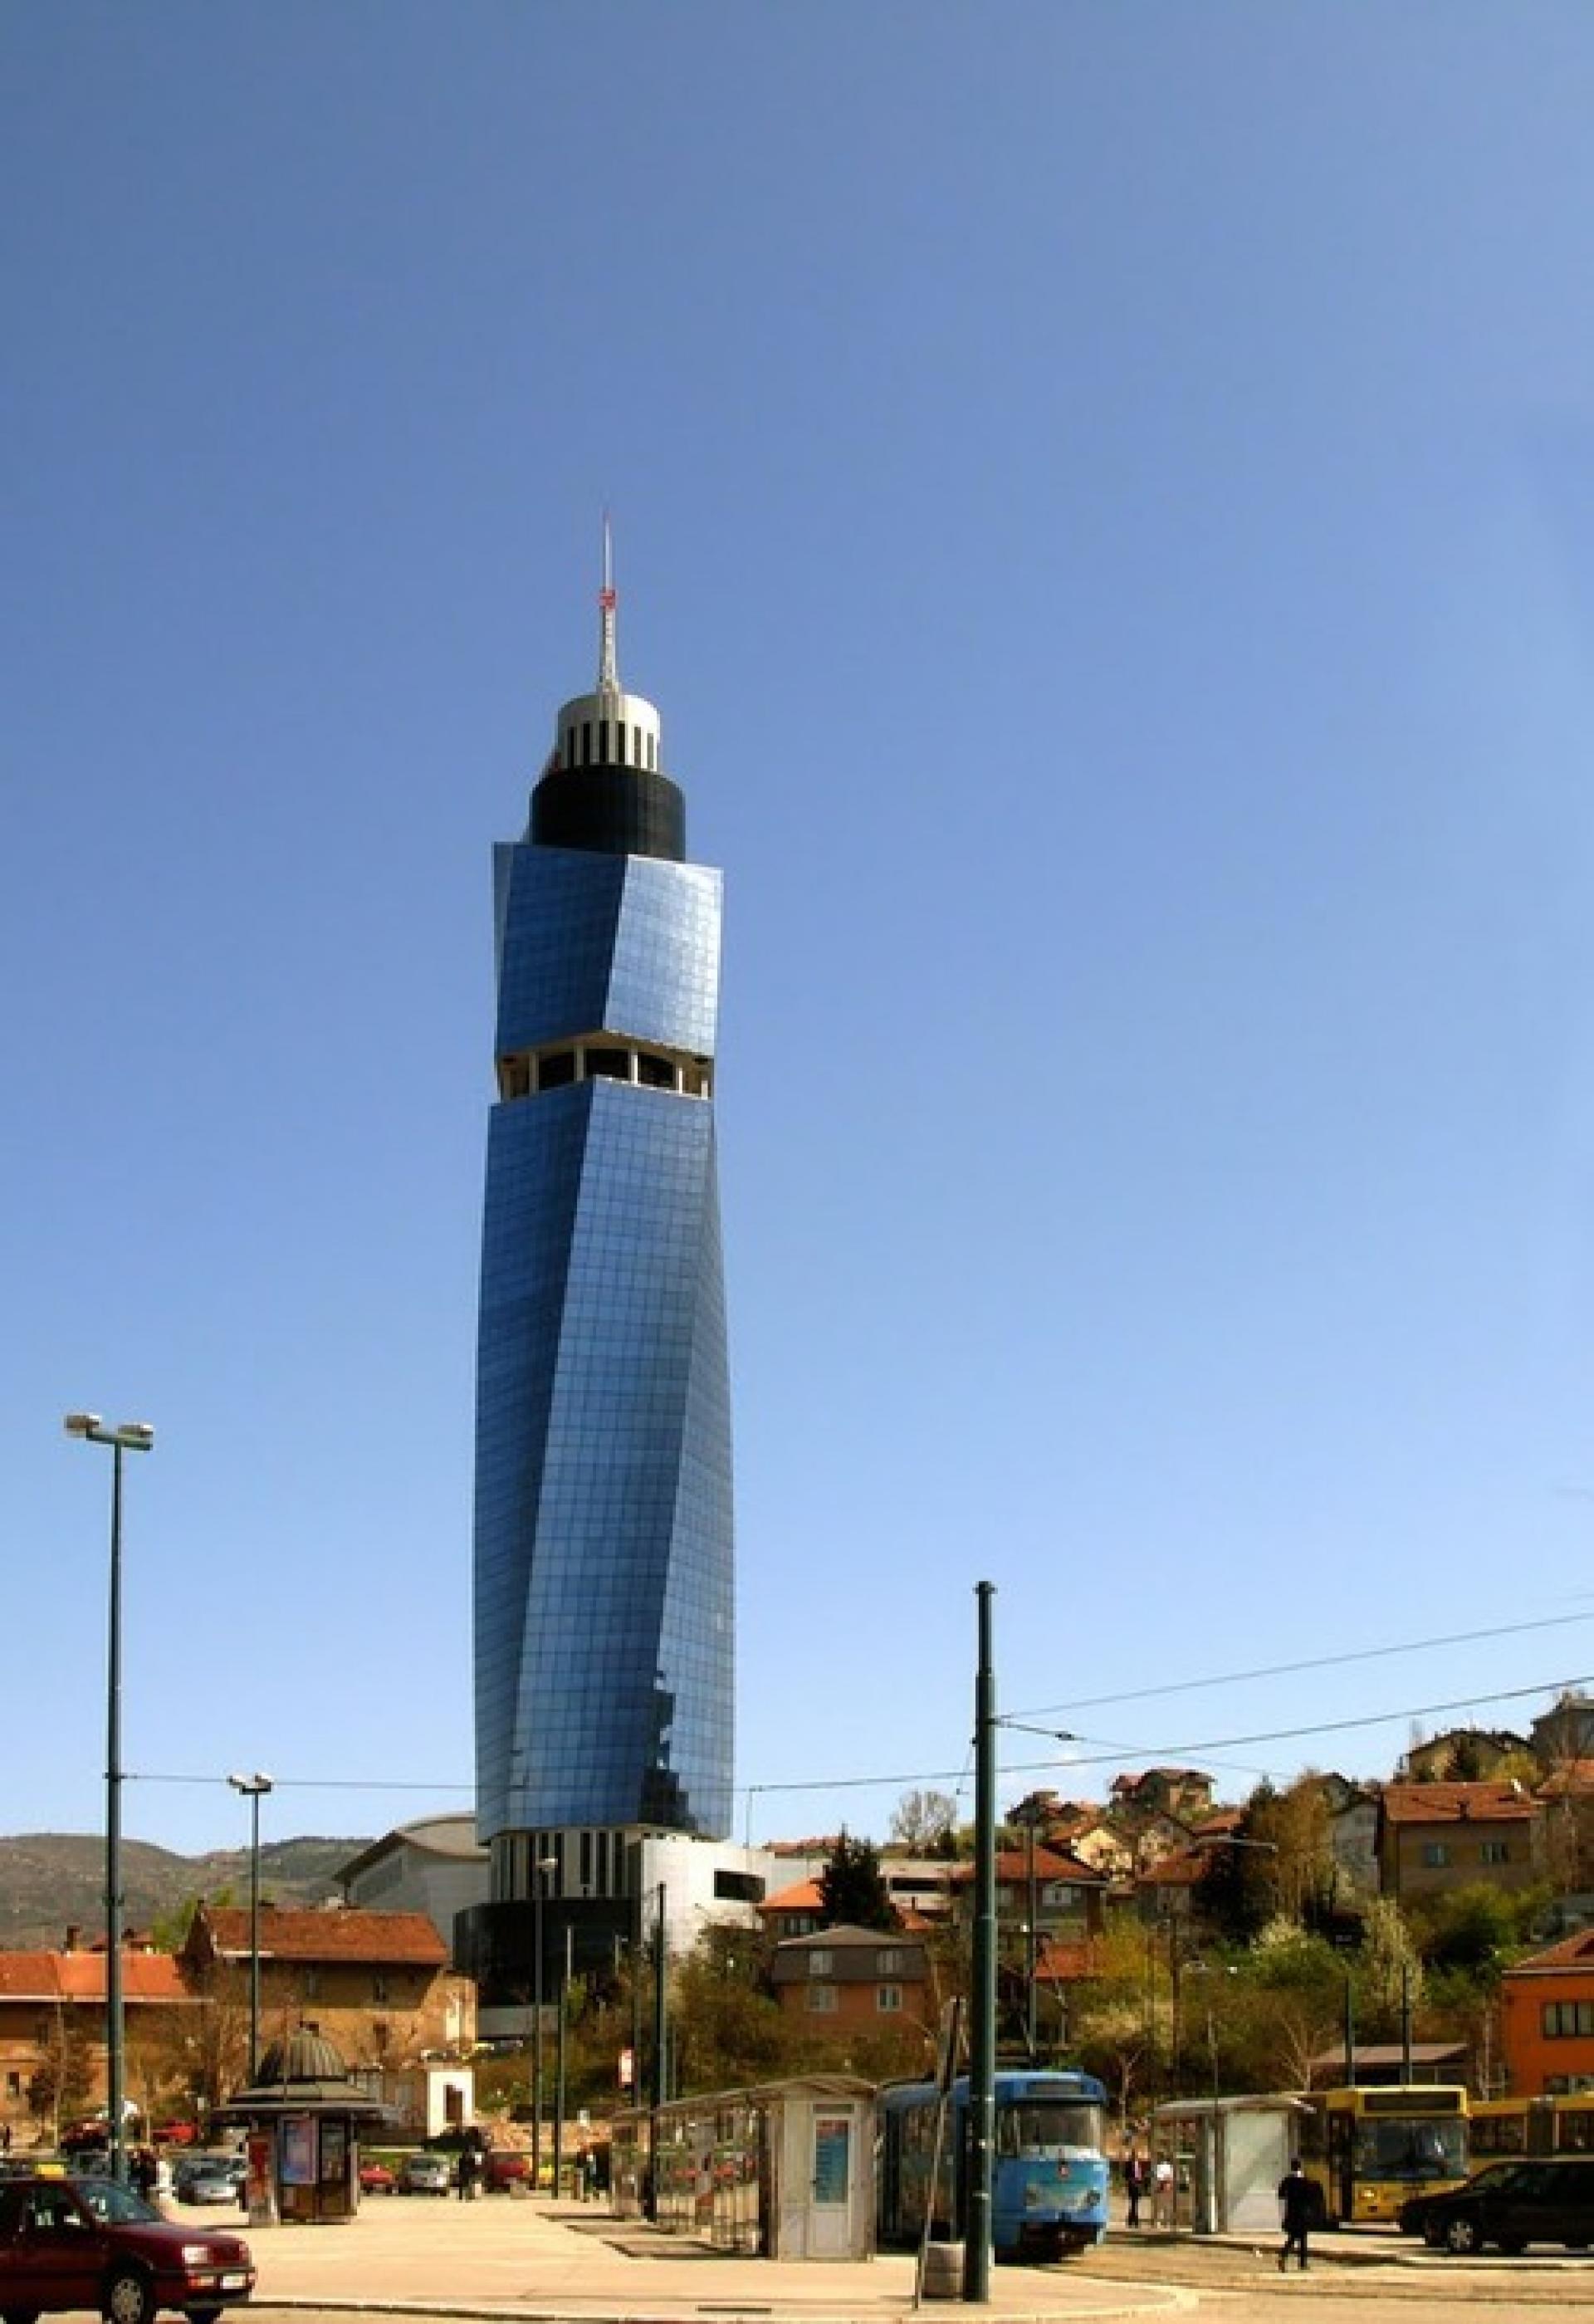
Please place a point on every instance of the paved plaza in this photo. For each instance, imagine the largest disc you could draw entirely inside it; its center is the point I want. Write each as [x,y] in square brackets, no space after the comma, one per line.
[524,2258]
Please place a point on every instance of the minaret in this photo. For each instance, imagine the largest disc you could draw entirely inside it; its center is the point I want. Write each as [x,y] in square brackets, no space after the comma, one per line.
[604,1562]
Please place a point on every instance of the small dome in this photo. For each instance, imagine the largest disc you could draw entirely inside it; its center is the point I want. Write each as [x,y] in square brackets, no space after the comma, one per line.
[304,2057]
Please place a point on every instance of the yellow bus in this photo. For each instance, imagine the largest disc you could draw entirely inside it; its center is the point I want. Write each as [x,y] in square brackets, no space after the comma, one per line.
[1563,2125]
[1369,2151]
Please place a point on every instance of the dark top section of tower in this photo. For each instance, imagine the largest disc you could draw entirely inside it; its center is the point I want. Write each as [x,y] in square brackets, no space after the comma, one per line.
[612,810]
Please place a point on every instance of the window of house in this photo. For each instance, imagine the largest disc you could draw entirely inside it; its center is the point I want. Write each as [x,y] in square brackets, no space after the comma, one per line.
[822,2000]
[610,1064]
[1495,1851]
[1565,2020]
[555,1069]
[821,1963]
[888,1997]
[1435,1852]
[888,1961]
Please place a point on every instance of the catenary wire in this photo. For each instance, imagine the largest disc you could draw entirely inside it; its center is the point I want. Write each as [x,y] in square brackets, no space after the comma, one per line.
[1113,1757]
[1313,1662]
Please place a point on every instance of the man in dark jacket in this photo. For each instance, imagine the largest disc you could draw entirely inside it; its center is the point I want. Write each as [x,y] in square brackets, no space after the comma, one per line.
[1297,2196]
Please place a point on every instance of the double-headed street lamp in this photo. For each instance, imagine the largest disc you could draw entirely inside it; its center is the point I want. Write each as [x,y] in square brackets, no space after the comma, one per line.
[253,1788]
[131,1437]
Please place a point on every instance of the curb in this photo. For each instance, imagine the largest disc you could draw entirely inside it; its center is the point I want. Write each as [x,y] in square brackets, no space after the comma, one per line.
[1152,2300]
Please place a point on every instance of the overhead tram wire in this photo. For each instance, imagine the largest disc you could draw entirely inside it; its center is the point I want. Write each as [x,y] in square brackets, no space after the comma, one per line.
[1315,1662]
[1113,1757]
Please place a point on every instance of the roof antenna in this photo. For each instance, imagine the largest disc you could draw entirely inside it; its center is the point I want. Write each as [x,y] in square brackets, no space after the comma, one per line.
[608,598]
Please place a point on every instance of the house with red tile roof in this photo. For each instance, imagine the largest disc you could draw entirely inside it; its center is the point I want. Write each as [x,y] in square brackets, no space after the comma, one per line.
[1437,1836]
[1065,1891]
[378,1985]
[53,2016]
[794,1912]
[1547,2019]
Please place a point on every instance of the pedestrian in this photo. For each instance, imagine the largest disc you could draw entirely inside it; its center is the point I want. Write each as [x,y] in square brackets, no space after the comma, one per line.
[1134,2184]
[1162,2193]
[468,2174]
[1297,2198]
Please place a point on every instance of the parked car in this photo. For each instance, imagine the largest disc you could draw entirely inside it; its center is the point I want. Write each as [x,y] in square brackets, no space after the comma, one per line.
[90,2244]
[180,2132]
[1511,2204]
[503,2168]
[421,2173]
[208,2178]
[376,2178]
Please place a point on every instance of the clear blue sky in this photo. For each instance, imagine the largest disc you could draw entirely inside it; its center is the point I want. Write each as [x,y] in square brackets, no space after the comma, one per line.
[1105,502]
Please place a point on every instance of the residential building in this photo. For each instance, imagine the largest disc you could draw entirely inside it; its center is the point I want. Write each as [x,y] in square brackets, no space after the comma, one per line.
[1183,1794]
[1353,1835]
[377,1985]
[1547,2020]
[796,1910]
[853,1979]
[1064,1893]
[1434,1836]
[52,2024]
[920,1889]
[605,1613]
[1463,1755]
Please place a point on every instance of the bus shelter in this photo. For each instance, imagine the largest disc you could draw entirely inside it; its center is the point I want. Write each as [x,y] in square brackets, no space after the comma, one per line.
[780,2171]
[1228,2156]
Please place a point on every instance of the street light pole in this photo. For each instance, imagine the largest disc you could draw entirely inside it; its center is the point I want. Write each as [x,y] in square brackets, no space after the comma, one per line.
[131,1437]
[253,1788]
[982,1977]
[543,1867]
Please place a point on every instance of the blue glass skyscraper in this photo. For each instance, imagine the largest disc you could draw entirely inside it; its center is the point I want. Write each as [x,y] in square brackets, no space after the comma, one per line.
[604,1634]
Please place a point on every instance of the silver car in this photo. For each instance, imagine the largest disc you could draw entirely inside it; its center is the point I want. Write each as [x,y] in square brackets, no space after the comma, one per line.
[424,2174]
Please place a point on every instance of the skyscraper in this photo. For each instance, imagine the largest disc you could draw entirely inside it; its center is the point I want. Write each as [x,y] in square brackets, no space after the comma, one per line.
[604,1539]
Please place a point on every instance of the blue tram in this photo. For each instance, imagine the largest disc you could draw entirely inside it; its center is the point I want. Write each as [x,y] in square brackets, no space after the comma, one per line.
[1048,2171]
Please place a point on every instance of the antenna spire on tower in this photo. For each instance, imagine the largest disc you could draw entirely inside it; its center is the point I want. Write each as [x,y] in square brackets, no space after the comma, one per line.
[608,598]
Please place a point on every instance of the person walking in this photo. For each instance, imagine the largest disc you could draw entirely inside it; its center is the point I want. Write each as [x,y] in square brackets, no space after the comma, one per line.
[1295,2196]
[1162,2192]
[1134,2184]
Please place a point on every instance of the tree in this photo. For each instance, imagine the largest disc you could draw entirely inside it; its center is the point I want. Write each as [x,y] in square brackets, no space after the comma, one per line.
[1303,1980]
[1391,1968]
[852,1892]
[727,2028]
[925,1823]
[61,2084]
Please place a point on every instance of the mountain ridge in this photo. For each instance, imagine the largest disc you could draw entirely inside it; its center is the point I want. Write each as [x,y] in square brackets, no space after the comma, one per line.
[52,1882]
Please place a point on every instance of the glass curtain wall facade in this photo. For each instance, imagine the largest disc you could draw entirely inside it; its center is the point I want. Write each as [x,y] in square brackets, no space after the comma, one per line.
[604,1618]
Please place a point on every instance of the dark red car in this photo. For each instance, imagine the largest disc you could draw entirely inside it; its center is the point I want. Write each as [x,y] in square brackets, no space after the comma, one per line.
[503,2167]
[90,2244]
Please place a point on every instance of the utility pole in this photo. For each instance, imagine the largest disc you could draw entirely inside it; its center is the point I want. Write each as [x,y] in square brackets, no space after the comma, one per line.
[559,2061]
[1406,2020]
[657,2088]
[1030,1938]
[982,1980]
